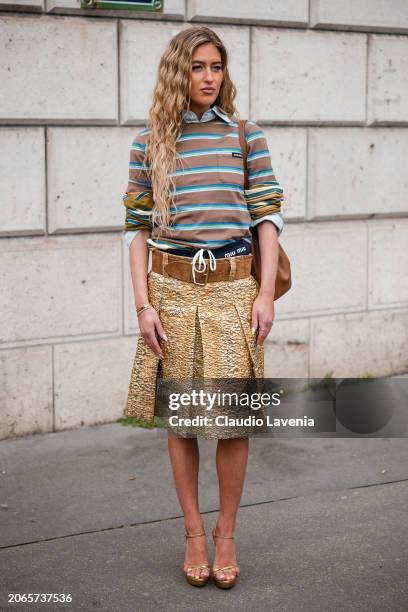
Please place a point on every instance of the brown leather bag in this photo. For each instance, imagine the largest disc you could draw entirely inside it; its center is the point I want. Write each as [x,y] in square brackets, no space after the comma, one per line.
[283,275]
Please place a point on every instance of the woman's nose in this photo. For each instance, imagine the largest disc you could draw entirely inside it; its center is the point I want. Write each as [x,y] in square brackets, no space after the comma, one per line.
[208,76]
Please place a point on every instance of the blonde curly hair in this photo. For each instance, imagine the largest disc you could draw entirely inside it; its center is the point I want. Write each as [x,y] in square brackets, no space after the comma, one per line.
[170,97]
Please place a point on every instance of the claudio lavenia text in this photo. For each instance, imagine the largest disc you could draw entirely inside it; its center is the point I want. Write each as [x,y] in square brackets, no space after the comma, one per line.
[224,420]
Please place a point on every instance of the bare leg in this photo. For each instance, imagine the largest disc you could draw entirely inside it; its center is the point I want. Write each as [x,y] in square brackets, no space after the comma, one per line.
[184,457]
[231,458]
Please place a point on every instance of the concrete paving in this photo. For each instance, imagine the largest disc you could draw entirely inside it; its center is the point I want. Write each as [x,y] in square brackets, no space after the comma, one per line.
[93,512]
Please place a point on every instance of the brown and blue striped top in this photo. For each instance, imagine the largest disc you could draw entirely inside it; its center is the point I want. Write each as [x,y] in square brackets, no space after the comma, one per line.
[212,208]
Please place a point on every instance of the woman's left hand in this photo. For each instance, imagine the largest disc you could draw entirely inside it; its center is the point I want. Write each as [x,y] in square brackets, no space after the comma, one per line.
[263,314]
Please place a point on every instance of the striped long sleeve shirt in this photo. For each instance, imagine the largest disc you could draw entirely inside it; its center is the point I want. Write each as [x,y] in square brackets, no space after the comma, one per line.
[212,208]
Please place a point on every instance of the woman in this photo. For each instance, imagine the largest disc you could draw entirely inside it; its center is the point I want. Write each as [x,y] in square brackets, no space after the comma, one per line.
[200,312]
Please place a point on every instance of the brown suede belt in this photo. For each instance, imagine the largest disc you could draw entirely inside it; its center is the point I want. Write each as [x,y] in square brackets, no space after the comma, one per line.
[176,266]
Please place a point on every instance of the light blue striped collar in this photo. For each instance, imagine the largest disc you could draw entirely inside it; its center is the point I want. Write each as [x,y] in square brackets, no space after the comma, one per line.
[189,116]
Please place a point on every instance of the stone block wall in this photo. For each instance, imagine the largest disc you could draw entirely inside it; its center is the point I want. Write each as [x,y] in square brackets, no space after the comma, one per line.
[327,81]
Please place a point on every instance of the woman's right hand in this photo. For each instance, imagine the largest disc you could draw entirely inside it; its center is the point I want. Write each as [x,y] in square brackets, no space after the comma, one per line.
[150,327]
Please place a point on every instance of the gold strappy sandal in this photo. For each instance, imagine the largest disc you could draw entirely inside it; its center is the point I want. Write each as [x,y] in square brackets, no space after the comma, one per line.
[225,583]
[193,579]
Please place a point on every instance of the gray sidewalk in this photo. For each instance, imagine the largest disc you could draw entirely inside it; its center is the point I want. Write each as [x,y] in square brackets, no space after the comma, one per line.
[93,512]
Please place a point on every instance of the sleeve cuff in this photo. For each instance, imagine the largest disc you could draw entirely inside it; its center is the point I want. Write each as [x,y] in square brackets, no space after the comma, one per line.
[276,219]
[129,236]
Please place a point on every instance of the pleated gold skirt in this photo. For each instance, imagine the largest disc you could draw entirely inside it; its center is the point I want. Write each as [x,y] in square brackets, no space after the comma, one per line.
[209,336]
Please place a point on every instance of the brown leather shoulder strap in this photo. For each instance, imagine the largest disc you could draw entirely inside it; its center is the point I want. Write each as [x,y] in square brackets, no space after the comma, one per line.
[243,145]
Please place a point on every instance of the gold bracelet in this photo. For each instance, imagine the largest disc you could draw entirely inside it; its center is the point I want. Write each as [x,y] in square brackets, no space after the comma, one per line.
[142,308]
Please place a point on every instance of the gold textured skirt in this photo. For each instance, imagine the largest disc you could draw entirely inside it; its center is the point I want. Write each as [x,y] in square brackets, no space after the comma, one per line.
[209,336]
